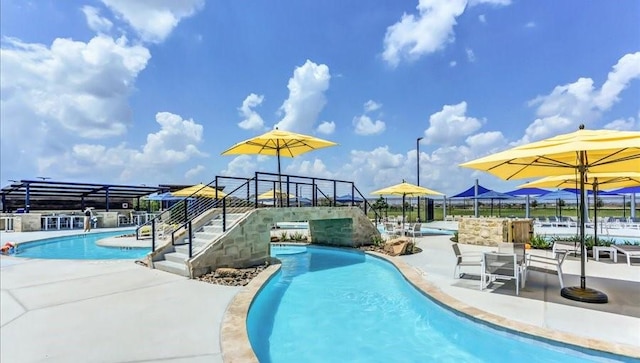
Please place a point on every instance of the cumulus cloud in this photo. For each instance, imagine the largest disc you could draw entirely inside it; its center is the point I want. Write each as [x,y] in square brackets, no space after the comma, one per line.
[530,24]
[96,22]
[174,144]
[630,124]
[580,102]
[327,127]
[241,166]
[55,96]
[427,32]
[453,64]
[364,125]
[194,172]
[252,120]
[450,125]
[154,20]
[482,18]
[306,99]
[371,106]
[314,168]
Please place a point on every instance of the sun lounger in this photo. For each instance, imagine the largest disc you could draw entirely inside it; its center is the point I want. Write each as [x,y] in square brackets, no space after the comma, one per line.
[629,251]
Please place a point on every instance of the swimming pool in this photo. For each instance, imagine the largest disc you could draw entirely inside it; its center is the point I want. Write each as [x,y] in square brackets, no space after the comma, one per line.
[425,230]
[78,247]
[330,305]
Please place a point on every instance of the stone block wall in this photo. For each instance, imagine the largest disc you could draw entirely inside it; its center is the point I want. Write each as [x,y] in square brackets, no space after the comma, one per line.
[491,231]
[28,222]
[247,243]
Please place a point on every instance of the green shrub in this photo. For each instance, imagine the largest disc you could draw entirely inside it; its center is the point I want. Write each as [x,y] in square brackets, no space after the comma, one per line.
[283,236]
[298,236]
[540,242]
[378,241]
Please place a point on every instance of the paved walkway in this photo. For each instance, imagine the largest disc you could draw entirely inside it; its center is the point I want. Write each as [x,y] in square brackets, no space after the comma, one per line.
[118,311]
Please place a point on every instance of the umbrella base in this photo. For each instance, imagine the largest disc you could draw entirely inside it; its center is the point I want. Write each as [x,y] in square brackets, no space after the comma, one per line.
[586,295]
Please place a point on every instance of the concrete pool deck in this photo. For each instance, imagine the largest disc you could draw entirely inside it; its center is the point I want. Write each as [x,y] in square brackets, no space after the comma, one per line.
[118,311]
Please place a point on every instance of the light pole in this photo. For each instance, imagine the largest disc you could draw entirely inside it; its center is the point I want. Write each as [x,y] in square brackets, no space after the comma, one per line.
[418,171]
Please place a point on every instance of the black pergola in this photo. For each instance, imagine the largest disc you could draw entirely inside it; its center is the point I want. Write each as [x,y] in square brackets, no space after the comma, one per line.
[43,190]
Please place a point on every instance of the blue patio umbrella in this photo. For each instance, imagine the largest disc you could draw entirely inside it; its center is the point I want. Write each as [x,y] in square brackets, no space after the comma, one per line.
[348,198]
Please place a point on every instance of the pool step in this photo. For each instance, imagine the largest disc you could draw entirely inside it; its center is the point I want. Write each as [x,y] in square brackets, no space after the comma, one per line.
[172,267]
[175,262]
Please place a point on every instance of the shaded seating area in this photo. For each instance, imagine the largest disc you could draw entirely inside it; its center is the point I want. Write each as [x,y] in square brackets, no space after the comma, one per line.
[545,263]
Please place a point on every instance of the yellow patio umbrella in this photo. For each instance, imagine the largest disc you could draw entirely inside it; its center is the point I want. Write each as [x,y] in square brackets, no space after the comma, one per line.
[596,180]
[405,189]
[275,193]
[200,190]
[595,151]
[278,143]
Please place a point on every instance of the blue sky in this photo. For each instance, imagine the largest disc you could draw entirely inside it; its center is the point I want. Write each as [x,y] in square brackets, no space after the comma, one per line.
[153,91]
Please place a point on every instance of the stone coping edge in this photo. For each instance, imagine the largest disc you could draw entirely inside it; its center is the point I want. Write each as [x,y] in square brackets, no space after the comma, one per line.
[234,338]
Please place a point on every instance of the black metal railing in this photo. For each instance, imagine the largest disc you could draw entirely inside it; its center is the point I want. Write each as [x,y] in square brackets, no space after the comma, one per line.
[235,195]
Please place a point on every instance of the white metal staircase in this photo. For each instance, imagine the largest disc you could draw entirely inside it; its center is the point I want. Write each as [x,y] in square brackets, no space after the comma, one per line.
[175,262]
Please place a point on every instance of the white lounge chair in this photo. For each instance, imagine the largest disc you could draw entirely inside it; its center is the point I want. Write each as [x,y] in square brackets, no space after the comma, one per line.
[566,246]
[391,230]
[629,251]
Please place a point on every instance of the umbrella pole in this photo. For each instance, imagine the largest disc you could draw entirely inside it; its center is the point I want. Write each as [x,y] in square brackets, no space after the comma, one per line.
[583,293]
[278,202]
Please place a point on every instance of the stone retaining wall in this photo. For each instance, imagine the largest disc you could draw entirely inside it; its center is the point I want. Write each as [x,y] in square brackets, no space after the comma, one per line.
[247,243]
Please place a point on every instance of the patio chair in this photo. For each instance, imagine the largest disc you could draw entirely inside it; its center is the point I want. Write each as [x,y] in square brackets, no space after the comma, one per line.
[391,230]
[467,259]
[415,230]
[566,246]
[519,250]
[556,262]
[499,266]
[629,251]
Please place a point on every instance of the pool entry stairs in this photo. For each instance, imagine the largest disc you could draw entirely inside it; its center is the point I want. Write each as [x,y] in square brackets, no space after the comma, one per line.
[227,222]
[176,261]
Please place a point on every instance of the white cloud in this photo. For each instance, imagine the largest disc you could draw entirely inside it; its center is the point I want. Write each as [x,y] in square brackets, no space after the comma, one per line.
[471,56]
[96,22]
[363,125]
[164,151]
[580,102]
[242,166]
[371,105]
[194,172]
[453,64]
[482,18]
[629,124]
[252,120]
[427,32]
[315,168]
[306,97]
[530,24]
[327,127]
[53,97]
[450,125]
[154,19]
[627,69]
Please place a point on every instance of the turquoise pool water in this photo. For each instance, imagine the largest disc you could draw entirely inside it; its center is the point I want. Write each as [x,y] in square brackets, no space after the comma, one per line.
[78,247]
[330,305]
